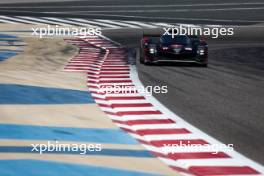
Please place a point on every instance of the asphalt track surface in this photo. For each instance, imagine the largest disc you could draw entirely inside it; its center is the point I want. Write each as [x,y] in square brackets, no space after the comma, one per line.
[184,11]
[226,99]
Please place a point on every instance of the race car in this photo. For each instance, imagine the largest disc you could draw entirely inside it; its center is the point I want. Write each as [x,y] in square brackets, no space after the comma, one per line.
[179,48]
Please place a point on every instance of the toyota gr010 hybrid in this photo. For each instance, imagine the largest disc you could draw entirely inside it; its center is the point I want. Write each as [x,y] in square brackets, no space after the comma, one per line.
[180,48]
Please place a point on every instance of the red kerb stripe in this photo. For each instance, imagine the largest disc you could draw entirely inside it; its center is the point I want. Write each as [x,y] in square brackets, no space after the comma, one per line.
[163,131]
[223,170]
[197,155]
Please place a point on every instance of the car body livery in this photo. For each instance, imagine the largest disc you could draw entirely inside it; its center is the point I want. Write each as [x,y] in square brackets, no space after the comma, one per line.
[179,48]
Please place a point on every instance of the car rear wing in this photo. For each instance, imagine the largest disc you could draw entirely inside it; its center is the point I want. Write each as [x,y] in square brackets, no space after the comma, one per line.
[150,38]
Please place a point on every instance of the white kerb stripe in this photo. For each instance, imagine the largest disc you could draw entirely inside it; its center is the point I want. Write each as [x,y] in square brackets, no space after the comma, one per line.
[100,24]
[138,117]
[43,21]
[82,23]
[155,137]
[156,126]
[20,20]
[202,162]
[127,101]
[162,24]
[212,162]
[198,148]
[141,24]
[7,21]
[65,22]
[124,109]
[118,23]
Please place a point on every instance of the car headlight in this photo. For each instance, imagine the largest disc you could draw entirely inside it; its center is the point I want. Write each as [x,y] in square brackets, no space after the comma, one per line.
[200,51]
[188,48]
[152,50]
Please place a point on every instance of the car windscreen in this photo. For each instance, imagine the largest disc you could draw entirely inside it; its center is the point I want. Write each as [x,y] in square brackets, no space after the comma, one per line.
[153,40]
[179,39]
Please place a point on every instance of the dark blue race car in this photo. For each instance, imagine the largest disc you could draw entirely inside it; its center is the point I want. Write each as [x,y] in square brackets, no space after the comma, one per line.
[180,48]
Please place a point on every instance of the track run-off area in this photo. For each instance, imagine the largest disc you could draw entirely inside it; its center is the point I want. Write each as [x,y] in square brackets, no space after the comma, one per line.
[50,91]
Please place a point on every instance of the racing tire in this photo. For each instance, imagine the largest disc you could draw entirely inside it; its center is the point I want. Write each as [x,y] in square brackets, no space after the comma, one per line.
[203,65]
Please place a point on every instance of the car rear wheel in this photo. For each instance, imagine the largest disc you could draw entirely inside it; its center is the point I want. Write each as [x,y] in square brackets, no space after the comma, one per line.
[146,62]
[141,57]
[203,65]
[143,60]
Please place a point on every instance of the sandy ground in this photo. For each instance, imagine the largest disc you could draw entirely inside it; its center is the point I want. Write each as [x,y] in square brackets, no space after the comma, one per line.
[42,64]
